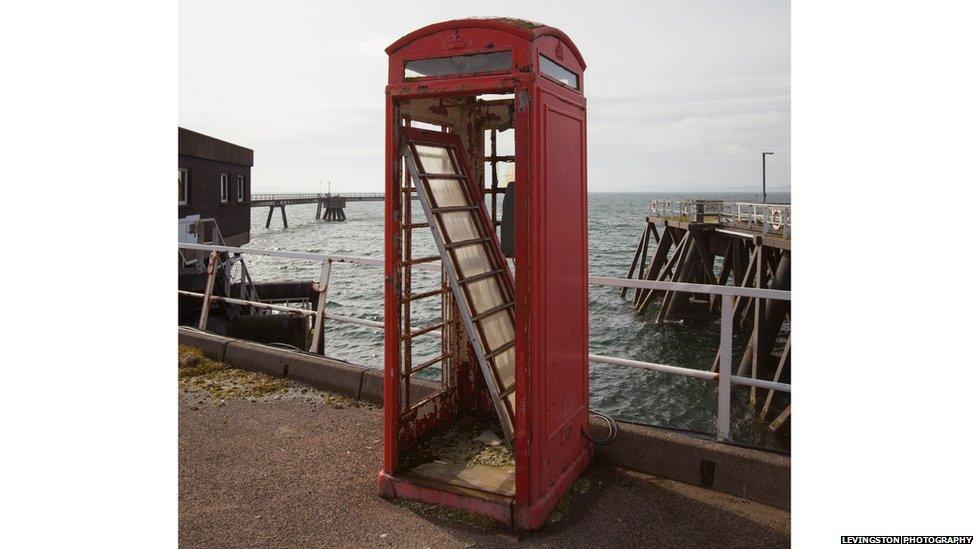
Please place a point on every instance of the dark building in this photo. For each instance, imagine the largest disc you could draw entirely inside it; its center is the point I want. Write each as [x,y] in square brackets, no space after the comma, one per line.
[215,182]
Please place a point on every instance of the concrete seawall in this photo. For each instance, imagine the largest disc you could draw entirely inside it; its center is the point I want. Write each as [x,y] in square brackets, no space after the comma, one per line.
[752,474]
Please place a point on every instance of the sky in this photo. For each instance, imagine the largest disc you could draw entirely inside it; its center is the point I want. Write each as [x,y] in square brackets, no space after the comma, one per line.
[681,96]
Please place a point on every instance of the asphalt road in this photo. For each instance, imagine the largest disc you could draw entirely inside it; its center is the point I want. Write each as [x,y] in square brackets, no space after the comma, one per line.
[301,472]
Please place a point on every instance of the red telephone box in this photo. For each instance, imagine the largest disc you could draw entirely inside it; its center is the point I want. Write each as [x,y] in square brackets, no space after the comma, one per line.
[501,338]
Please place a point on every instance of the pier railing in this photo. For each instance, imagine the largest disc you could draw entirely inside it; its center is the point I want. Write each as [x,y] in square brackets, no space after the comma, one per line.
[286,197]
[727,294]
[761,218]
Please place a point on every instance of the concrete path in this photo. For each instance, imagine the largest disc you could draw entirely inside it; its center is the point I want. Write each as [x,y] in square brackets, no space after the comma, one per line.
[301,472]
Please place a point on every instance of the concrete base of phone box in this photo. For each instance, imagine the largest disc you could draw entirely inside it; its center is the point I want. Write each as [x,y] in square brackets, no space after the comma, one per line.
[501,509]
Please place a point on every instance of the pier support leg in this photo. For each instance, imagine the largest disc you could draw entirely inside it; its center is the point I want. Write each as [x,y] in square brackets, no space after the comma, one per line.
[784,362]
[675,302]
[675,260]
[771,316]
[741,303]
[641,250]
[657,262]
[723,275]
[759,330]
[267,224]
[284,217]
[318,211]
[334,214]
[778,422]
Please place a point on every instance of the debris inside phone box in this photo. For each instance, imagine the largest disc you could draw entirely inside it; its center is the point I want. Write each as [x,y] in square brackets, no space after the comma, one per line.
[467,442]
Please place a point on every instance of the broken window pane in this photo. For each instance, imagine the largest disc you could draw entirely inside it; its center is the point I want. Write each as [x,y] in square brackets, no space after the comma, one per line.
[459,226]
[472,260]
[447,192]
[498,330]
[485,295]
[558,73]
[505,366]
[434,159]
[460,64]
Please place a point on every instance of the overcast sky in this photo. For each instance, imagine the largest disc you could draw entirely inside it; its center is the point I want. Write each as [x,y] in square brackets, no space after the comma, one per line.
[681,95]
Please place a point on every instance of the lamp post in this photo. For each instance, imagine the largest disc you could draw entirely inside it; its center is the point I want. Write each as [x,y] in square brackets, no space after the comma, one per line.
[764,175]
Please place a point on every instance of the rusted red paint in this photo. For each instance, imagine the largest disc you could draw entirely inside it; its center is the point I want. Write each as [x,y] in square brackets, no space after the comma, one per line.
[435,413]
[550,254]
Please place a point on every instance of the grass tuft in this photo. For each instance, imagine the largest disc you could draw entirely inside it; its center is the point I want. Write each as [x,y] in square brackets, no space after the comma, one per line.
[447,514]
[223,383]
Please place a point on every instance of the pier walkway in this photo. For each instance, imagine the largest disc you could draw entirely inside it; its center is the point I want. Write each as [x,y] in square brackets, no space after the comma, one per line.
[297,472]
[333,203]
[288,199]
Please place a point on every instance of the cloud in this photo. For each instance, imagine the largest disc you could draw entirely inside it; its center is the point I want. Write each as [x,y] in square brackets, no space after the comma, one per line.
[731,135]
[679,94]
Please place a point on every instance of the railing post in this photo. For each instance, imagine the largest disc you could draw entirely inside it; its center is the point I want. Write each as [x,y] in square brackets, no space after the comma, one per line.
[725,372]
[322,288]
[211,276]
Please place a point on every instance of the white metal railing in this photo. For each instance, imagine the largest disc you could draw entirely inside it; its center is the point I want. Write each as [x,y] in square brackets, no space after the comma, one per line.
[765,218]
[266,197]
[723,376]
[198,228]
[319,315]
[776,218]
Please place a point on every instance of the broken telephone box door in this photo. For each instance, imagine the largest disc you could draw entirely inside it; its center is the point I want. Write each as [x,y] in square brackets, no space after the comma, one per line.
[471,256]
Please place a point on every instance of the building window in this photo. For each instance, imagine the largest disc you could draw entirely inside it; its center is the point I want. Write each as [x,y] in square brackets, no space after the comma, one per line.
[224,187]
[184,187]
[240,188]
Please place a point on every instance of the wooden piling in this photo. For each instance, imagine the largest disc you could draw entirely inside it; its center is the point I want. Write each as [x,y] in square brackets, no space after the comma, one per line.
[648,295]
[784,361]
[680,264]
[772,315]
[751,256]
[780,419]
[759,324]
[657,261]
[640,255]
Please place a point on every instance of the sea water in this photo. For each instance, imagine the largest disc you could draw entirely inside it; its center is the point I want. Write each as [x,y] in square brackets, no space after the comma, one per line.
[616,221]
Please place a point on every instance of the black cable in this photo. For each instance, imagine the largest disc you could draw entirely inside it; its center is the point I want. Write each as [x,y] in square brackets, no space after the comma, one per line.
[610,437]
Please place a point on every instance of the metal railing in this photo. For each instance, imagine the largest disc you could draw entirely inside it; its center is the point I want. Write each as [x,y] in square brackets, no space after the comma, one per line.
[763,218]
[723,377]
[198,229]
[272,197]
[319,316]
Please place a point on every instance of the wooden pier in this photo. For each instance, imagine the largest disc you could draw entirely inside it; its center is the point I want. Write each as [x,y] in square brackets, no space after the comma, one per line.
[333,204]
[724,243]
